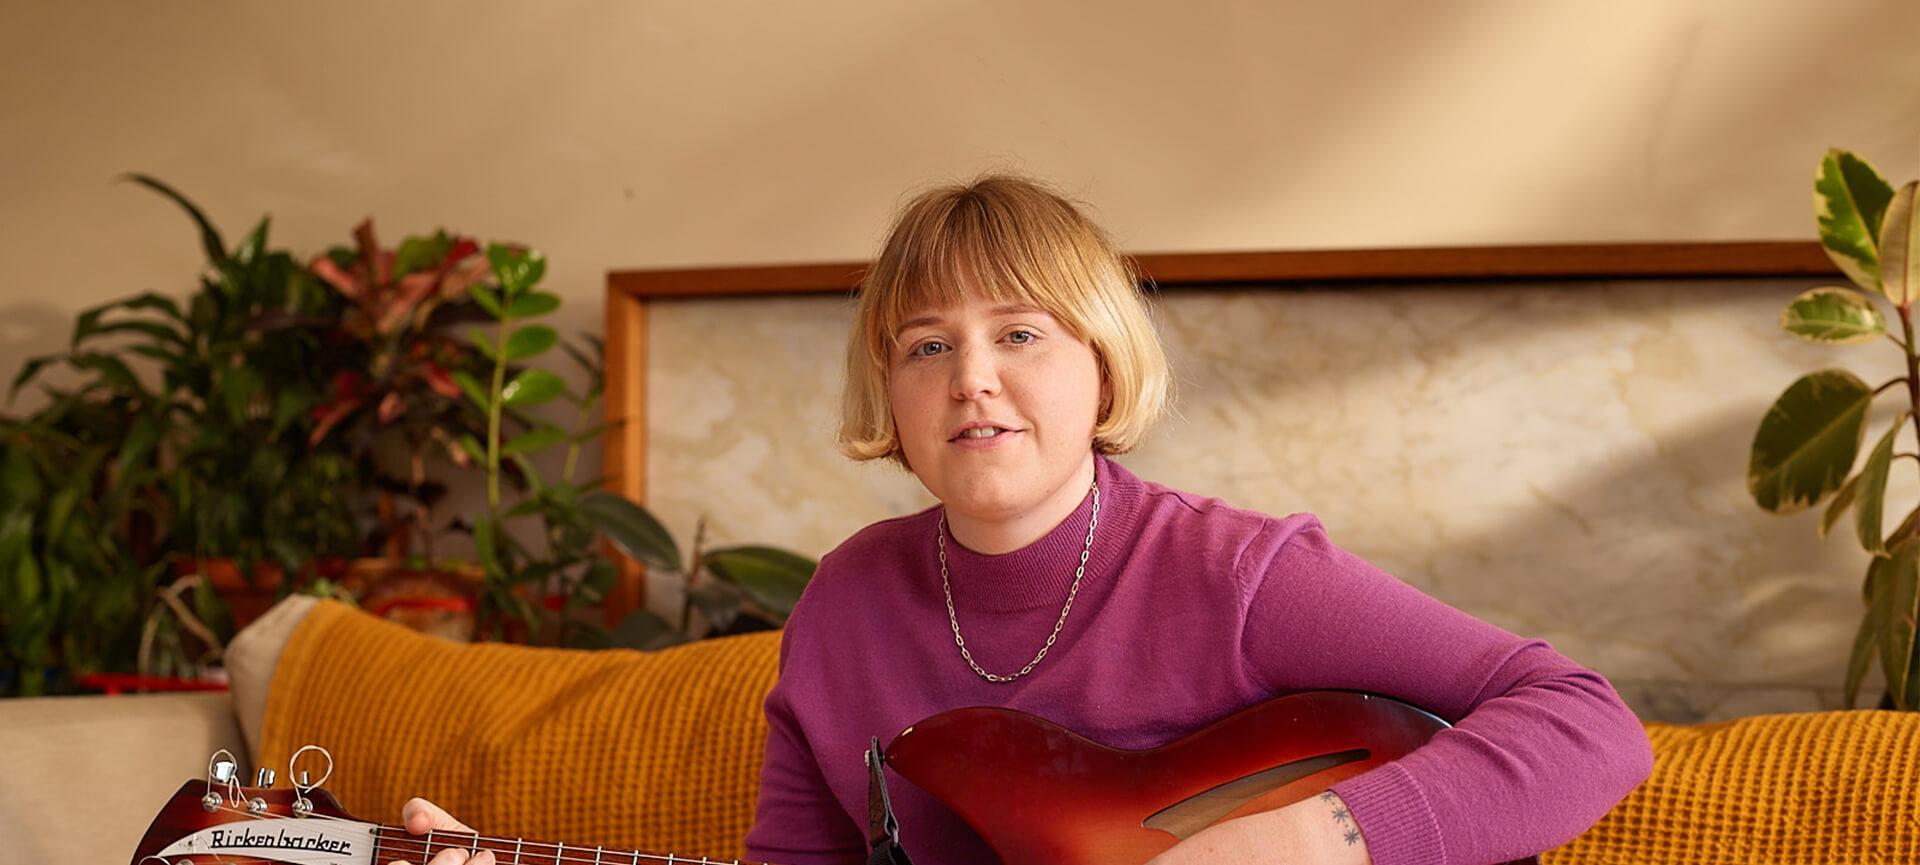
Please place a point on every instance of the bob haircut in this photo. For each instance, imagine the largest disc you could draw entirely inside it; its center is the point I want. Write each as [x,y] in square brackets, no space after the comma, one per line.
[1014,240]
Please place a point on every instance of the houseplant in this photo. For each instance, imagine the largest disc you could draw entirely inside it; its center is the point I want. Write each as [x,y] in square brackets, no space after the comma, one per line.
[139,470]
[394,352]
[736,588]
[1806,445]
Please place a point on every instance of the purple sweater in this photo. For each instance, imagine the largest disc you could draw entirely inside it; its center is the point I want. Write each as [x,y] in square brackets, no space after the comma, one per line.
[1189,610]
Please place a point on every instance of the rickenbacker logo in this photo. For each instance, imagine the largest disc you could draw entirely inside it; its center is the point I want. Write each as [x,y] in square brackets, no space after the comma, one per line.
[311,841]
[224,839]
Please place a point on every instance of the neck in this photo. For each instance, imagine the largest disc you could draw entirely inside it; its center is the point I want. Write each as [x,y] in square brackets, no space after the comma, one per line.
[1004,534]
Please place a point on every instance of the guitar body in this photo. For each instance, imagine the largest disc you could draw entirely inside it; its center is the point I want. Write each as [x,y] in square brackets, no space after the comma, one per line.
[1042,795]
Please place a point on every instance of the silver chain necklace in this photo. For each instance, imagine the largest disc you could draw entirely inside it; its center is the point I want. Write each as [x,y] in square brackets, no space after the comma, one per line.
[940,535]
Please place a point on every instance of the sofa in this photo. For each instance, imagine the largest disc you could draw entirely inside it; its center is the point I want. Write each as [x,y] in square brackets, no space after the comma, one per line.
[660,751]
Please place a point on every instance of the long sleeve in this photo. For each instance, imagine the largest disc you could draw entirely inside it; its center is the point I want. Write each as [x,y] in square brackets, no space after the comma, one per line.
[1541,748]
[796,820]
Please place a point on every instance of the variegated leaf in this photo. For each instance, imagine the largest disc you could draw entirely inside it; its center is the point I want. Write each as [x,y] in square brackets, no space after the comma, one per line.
[1900,247]
[1871,491]
[1849,199]
[1806,444]
[1833,315]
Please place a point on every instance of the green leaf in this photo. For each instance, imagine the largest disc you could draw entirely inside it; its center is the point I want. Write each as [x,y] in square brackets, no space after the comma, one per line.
[632,530]
[421,253]
[774,578]
[154,300]
[256,243]
[1838,316]
[1806,444]
[142,438]
[530,340]
[1837,508]
[488,299]
[216,248]
[532,387]
[471,387]
[1903,609]
[1849,200]
[1900,247]
[532,304]
[27,372]
[1872,489]
[517,269]
[21,481]
[485,545]
[646,631]
[534,441]
[718,601]
[112,370]
[599,580]
[473,448]
[237,387]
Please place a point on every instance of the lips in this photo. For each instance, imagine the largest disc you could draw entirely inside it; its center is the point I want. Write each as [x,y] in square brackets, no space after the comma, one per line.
[981,431]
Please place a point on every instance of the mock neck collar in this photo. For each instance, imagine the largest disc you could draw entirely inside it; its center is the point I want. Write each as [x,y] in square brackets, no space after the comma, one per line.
[1041,573]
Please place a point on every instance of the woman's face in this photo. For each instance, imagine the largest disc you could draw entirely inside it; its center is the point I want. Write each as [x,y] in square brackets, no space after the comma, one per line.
[995,406]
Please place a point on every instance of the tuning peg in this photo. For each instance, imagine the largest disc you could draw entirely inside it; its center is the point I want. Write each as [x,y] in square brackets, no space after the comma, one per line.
[223,770]
[264,778]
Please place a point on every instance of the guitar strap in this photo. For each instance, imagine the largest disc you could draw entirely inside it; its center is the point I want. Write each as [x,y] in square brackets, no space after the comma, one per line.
[883,832]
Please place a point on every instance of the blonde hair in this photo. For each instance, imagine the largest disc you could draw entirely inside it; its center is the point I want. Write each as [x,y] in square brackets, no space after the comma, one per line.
[1015,241]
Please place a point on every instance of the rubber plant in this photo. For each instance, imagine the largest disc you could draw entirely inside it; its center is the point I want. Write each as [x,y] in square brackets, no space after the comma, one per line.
[568,569]
[1807,444]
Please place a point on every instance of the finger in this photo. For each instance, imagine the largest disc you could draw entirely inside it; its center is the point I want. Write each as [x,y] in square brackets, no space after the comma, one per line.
[449,856]
[419,815]
[484,857]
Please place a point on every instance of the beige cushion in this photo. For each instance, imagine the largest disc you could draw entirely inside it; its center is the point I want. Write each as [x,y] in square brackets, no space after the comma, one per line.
[251,657]
[81,778]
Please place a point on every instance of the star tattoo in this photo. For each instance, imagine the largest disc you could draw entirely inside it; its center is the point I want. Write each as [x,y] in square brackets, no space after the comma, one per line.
[1353,837]
[1327,797]
[1340,814]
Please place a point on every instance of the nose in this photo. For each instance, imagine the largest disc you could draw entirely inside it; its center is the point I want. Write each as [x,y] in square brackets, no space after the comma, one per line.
[975,374]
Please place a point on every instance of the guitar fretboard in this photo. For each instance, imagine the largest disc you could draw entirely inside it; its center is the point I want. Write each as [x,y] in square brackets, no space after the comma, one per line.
[393,842]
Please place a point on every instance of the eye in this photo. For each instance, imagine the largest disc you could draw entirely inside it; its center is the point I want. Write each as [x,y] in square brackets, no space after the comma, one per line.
[927,349]
[1023,337]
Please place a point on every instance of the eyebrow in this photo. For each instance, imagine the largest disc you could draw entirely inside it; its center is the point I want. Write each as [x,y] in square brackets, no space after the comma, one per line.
[1003,309]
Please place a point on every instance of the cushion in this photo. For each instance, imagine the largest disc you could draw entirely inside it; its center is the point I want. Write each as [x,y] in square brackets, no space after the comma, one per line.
[250,659]
[656,751]
[1813,788]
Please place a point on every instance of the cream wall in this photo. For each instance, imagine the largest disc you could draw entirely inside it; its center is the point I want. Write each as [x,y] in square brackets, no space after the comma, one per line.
[620,135]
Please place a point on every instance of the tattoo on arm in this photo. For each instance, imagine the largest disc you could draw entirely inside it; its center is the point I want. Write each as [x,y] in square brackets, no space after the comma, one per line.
[1342,817]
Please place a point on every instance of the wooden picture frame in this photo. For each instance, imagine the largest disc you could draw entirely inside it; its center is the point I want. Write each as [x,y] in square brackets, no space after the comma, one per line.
[630,292]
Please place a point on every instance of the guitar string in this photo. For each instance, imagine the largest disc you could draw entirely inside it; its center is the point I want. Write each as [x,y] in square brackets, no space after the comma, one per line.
[402,843]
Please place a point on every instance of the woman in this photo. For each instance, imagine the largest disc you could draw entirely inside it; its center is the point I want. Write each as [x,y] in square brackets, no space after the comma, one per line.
[1001,352]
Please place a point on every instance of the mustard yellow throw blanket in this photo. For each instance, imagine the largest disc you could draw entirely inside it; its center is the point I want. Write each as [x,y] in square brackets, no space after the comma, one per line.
[656,751]
[1816,788]
[661,752]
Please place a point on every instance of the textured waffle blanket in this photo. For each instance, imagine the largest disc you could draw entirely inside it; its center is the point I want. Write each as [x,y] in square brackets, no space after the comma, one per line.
[1817,788]
[655,751]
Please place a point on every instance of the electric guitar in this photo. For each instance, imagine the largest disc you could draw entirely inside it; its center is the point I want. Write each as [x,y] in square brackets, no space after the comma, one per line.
[1037,793]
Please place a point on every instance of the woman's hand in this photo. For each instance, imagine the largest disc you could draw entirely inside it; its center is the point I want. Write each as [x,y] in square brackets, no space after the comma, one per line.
[420,815]
[1316,831]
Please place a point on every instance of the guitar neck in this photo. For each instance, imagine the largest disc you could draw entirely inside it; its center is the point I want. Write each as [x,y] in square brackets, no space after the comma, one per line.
[394,842]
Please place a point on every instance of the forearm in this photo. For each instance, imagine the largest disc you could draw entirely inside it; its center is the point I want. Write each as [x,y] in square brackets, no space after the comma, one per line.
[1317,831]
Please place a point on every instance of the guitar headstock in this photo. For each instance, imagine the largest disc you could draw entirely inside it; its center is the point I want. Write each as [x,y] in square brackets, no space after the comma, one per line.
[219,820]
